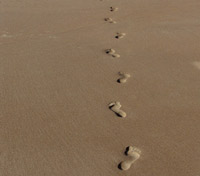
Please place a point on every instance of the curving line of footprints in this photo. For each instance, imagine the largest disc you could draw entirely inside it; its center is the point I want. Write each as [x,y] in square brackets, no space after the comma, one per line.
[133,153]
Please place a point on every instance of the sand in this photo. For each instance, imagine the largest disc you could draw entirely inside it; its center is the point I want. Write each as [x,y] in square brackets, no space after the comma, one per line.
[57,81]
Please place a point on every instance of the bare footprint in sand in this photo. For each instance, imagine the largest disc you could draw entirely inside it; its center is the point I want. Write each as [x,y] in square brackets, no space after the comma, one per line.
[114,9]
[112,53]
[110,20]
[115,107]
[133,154]
[120,35]
[124,77]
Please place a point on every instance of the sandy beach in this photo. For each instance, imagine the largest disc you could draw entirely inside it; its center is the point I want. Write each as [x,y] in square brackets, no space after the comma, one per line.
[59,88]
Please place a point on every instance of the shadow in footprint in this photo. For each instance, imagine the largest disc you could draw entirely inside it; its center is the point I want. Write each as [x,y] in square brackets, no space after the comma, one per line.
[118,80]
[114,112]
[126,151]
[119,166]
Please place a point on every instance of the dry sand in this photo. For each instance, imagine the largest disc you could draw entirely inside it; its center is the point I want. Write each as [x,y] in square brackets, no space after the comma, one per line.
[57,81]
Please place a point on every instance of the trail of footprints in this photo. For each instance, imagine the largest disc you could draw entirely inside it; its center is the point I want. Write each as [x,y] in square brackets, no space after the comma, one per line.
[132,153]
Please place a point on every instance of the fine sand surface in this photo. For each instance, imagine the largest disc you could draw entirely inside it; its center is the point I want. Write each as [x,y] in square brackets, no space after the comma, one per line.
[56,84]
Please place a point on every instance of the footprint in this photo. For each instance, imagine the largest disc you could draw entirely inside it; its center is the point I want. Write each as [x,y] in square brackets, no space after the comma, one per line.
[120,35]
[124,77]
[112,53]
[133,154]
[115,107]
[113,9]
[110,20]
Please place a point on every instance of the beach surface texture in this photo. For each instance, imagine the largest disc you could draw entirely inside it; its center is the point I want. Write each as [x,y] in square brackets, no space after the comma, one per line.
[100,88]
